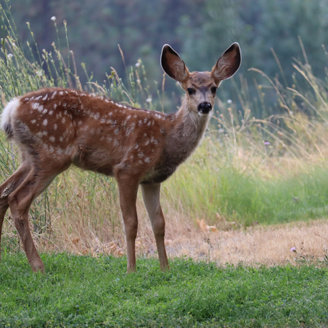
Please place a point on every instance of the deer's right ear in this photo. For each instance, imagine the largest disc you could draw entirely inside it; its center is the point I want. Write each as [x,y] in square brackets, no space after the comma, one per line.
[173,65]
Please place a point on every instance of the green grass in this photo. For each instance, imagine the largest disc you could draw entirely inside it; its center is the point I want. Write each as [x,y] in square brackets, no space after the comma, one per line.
[81,291]
[205,190]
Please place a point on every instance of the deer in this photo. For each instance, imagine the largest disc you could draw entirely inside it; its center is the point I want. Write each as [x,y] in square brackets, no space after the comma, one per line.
[55,128]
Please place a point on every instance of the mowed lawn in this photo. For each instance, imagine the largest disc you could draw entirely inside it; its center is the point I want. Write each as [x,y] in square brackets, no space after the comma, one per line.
[81,291]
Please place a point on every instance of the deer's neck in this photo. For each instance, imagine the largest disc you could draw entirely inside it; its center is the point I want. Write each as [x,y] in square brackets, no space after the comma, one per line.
[188,129]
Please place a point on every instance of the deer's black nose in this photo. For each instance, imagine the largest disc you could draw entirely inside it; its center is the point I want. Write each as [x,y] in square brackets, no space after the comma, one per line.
[204,107]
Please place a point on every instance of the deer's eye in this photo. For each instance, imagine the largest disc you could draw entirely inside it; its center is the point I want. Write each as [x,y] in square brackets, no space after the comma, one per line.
[213,90]
[191,91]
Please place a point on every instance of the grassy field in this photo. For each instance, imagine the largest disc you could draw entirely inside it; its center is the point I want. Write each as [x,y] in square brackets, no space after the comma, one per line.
[80,291]
[252,191]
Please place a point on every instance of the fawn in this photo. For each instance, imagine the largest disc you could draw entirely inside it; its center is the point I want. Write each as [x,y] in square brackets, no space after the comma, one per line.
[57,127]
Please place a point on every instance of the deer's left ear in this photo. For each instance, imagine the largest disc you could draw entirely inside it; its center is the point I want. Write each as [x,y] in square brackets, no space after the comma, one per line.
[228,64]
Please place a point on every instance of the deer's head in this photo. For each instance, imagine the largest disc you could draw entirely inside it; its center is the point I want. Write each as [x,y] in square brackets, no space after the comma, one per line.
[200,87]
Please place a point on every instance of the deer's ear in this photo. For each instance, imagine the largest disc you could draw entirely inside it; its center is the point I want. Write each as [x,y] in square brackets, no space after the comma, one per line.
[173,65]
[228,64]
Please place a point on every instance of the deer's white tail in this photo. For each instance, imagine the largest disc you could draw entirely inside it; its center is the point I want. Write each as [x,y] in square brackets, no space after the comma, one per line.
[7,115]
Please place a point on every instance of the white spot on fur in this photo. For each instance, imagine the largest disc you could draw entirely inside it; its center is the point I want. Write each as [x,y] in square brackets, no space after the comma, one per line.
[129,130]
[45,122]
[52,139]
[51,112]
[147,160]
[33,121]
[53,95]
[55,106]
[55,127]
[45,111]
[116,143]
[35,105]
[45,97]
[40,109]
[61,93]
[63,119]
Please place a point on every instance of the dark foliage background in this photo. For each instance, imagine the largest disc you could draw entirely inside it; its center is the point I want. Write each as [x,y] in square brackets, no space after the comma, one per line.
[200,30]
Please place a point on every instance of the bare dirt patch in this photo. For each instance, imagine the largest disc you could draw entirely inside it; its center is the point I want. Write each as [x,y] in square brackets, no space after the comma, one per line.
[268,245]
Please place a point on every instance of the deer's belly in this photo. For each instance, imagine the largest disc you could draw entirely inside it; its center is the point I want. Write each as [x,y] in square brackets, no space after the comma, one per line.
[159,174]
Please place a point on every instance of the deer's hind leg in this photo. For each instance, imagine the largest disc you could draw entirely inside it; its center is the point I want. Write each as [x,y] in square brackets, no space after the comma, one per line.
[36,181]
[10,185]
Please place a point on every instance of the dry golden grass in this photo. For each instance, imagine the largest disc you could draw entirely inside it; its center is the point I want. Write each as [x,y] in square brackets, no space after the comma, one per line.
[268,245]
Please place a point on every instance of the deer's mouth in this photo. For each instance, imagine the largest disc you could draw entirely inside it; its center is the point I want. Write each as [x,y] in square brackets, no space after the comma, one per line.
[204,108]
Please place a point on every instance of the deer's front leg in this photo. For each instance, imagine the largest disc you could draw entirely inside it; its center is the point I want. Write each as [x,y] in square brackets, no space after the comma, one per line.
[128,189]
[151,197]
